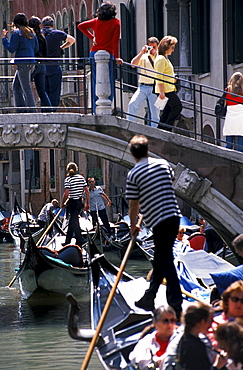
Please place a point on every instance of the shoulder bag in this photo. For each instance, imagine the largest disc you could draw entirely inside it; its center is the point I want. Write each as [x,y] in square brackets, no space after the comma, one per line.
[221,107]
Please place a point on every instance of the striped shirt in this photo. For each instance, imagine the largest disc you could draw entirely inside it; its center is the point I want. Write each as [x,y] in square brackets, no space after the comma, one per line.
[150,181]
[75,184]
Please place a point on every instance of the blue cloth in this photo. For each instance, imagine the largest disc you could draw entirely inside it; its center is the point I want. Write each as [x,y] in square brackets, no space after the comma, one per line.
[23,94]
[224,279]
[21,46]
[54,40]
[39,76]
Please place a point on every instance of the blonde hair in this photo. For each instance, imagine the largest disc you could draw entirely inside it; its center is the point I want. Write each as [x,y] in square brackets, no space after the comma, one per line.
[72,169]
[235,84]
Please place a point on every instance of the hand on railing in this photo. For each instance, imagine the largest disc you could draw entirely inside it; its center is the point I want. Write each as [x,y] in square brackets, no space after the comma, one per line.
[119,61]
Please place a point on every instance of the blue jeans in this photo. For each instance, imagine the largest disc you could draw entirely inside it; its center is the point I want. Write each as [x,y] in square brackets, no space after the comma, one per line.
[233,142]
[53,84]
[23,94]
[94,97]
[39,76]
[144,92]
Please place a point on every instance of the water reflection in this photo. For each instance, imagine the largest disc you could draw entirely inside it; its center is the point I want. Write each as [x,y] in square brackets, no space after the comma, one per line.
[33,333]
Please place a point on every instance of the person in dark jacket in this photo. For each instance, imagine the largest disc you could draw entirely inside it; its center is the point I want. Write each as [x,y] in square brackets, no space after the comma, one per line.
[39,74]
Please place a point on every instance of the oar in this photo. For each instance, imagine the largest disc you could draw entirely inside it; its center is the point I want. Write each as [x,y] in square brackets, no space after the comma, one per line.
[109,299]
[48,228]
[192,296]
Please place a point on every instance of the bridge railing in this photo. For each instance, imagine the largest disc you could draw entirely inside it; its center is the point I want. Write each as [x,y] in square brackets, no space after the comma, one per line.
[76,95]
[196,100]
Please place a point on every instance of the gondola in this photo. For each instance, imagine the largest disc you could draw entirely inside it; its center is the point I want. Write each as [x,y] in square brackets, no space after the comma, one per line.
[124,322]
[5,235]
[52,270]
[23,223]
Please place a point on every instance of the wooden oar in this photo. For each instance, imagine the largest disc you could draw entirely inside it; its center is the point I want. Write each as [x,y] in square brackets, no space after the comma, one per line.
[109,299]
[48,228]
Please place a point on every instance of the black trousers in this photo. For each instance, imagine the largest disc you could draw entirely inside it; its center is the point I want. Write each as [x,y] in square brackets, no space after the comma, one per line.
[165,233]
[172,110]
[74,208]
[103,216]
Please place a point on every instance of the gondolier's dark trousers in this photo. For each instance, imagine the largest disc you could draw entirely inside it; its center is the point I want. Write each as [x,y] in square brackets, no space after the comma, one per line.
[74,208]
[165,233]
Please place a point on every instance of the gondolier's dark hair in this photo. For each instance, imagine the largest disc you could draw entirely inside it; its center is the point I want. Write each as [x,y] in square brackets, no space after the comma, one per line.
[161,310]
[72,169]
[139,146]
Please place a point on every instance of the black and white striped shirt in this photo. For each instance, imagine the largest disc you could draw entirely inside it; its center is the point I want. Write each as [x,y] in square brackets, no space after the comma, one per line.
[150,181]
[75,184]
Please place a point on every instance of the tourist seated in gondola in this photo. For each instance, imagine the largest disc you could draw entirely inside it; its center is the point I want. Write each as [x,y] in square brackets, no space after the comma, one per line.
[232,306]
[237,244]
[44,217]
[192,349]
[151,348]
[182,237]
[230,338]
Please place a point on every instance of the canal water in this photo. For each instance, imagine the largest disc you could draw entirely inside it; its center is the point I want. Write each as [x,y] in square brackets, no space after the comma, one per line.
[34,335]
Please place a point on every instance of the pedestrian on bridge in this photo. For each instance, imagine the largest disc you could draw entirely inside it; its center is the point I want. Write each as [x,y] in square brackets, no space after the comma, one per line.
[57,41]
[39,74]
[165,85]
[23,42]
[105,36]
[233,124]
[145,91]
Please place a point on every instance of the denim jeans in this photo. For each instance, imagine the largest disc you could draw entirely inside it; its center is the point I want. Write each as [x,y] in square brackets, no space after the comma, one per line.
[234,141]
[39,76]
[23,94]
[93,79]
[144,92]
[53,84]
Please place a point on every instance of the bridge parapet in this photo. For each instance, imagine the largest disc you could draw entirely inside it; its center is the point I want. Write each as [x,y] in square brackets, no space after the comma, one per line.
[209,178]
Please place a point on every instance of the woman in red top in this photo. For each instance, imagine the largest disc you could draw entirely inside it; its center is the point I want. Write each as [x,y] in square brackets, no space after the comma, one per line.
[105,36]
[233,125]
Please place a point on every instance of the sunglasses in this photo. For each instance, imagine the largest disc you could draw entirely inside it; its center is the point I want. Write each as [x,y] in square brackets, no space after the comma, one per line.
[168,321]
[236,299]
[90,181]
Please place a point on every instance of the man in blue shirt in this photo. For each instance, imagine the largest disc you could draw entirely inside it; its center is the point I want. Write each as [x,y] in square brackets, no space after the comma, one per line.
[56,41]
[97,205]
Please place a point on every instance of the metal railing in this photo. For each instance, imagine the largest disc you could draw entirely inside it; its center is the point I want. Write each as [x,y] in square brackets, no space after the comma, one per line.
[76,95]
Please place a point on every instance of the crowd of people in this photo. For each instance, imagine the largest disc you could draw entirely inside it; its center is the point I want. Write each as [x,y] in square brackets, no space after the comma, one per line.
[30,39]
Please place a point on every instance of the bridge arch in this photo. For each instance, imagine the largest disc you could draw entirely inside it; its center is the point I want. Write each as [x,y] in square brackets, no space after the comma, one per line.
[108,137]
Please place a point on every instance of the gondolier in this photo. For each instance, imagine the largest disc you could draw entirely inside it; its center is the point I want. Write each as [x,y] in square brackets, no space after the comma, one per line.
[74,187]
[149,190]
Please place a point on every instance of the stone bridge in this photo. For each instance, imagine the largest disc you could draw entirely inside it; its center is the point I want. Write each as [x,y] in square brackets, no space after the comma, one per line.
[208,178]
